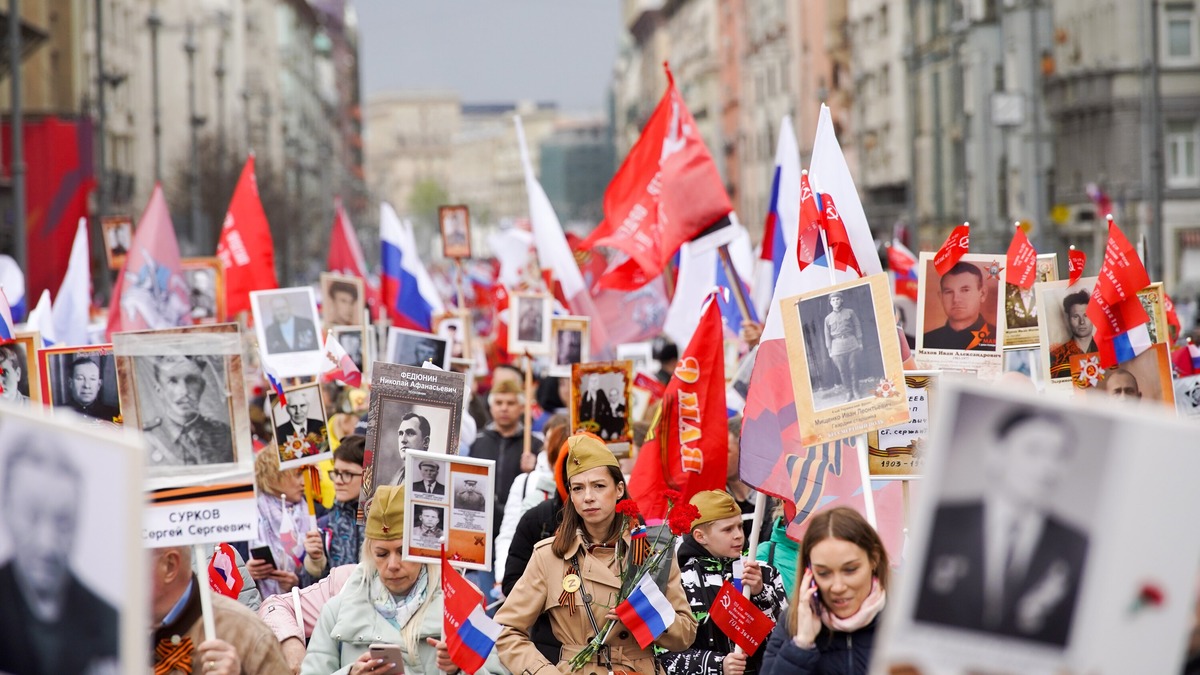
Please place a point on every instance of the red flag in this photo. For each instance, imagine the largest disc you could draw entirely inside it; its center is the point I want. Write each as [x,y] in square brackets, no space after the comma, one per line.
[667,191]
[151,292]
[739,619]
[904,267]
[245,248]
[958,243]
[1122,274]
[338,364]
[1076,260]
[811,221]
[1022,261]
[346,256]
[688,448]
[468,629]
[223,574]
[838,238]
[1172,316]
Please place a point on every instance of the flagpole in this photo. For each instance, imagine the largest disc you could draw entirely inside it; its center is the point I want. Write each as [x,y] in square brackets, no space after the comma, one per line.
[739,293]
[200,565]
[860,446]
[527,449]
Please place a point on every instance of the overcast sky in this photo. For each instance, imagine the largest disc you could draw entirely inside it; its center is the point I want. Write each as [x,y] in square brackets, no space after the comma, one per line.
[492,50]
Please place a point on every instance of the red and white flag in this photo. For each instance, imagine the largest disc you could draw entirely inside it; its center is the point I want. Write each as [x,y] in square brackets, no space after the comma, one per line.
[737,617]
[1076,261]
[223,574]
[957,244]
[1122,273]
[346,256]
[151,292]
[809,239]
[246,250]
[1022,261]
[1172,316]
[1114,307]
[838,238]
[340,365]
[470,633]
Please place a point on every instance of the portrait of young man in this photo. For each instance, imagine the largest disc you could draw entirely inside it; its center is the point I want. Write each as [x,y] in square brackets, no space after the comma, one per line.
[962,294]
[175,425]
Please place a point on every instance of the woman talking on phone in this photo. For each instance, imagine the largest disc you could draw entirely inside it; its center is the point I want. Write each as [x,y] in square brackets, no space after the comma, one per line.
[830,625]
[388,603]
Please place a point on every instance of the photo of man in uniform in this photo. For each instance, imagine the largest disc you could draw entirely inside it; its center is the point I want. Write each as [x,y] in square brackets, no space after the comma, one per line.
[286,332]
[1081,342]
[469,497]
[50,621]
[844,342]
[413,434]
[202,295]
[428,482]
[962,294]
[529,323]
[84,388]
[427,527]
[182,435]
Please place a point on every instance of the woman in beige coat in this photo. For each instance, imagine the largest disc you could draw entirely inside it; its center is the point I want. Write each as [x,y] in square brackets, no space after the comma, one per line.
[583,563]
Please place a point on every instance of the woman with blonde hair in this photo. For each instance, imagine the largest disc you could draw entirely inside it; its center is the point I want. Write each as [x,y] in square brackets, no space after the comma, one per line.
[280,497]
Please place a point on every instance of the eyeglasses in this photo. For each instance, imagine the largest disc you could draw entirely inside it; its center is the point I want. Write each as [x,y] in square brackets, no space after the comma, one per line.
[342,476]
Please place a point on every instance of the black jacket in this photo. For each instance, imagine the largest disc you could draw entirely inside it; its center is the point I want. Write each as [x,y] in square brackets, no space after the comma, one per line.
[538,523]
[835,653]
[506,452]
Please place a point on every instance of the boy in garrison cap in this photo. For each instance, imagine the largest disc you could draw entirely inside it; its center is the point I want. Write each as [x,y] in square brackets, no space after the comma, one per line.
[706,560]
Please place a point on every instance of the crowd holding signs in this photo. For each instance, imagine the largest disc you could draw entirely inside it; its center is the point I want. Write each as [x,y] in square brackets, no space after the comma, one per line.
[388,473]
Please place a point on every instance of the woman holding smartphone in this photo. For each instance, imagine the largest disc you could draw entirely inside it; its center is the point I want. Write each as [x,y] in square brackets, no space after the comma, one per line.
[388,617]
[830,625]
[276,565]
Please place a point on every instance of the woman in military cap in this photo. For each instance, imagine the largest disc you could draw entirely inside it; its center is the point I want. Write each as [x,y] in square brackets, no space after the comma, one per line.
[575,577]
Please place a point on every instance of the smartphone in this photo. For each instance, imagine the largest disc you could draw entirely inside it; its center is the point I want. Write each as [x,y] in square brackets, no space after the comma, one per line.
[263,553]
[816,597]
[389,654]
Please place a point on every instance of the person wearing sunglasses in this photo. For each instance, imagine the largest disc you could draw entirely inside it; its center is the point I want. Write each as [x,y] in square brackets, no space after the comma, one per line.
[339,536]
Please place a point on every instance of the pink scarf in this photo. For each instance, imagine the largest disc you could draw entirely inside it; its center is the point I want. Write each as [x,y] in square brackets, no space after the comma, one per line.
[865,614]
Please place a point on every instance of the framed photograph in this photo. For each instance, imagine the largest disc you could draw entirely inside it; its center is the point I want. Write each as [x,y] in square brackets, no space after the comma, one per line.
[343,300]
[530,331]
[118,239]
[602,401]
[1152,301]
[70,519]
[641,354]
[206,289]
[451,501]
[959,315]
[299,423]
[20,378]
[181,388]
[1145,377]
[413,348]
[844,355]
[1081,566]
[452,328]
[288,329]
[570,343]
[1187,396]
[356,341]
[899,451]
[455,222]
[82,380]
[1020,305]
[412,408]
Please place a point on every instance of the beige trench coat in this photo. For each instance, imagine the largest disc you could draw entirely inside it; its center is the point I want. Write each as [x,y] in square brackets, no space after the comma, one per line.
[538,591]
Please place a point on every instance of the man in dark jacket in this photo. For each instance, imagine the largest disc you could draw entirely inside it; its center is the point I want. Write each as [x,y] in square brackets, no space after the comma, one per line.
[503,442]
[706,560]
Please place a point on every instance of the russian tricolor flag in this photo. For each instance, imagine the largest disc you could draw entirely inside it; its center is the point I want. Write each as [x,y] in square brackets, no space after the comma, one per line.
[276,383]
[470,633]
[646,613]
[1132,342]
[783,213]
[7,331]
[408,292]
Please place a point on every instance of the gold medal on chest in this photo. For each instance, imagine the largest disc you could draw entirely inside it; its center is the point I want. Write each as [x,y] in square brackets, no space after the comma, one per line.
[571,583]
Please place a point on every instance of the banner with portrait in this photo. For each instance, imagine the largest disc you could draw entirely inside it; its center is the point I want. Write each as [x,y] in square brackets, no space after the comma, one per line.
[899,451]
[205,279]
[299,424]
[602,401]
[343,300]
[82,380]
[416,348]
[1020,305]
[960,315]
[570,343]
[529,323]
[1145,377]
[289,331]
[20,377]
[449,499]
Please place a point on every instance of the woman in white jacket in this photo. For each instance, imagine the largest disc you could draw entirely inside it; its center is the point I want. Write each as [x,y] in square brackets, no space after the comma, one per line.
[386,600]
[530,489]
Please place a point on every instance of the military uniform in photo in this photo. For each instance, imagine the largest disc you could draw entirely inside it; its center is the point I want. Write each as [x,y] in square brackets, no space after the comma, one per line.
[469,498]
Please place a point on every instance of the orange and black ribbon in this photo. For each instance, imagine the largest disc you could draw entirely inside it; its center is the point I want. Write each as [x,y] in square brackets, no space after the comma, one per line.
[169,656]
[566,598]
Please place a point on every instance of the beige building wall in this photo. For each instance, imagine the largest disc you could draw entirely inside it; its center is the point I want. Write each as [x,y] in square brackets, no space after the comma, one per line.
[768,94]
[408,138]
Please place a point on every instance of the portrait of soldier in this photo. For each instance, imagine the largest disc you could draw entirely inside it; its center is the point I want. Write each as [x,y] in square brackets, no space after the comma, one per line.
[181,435]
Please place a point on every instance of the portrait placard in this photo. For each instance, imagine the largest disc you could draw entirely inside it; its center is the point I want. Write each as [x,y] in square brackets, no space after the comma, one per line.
[451,500]
[118,239]
[81,379]
[641,354]
[1145,377]
[1086,563]
[570,343]
[530,330]
[206,289]
[1187,396]
[182,388]
[356,340]
[452,327]
[413,348]
[959,316]
[845,360]
[288,330]
[299,424]
[70,515]
[411,409]
[1020,305]
[899,451]
[601,401]
[455,222]
[343,300]
[20,378]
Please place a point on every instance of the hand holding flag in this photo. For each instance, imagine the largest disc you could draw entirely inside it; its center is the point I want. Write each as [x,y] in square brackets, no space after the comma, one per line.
[957,244]
[647,613]
[470,633]
[1022,261]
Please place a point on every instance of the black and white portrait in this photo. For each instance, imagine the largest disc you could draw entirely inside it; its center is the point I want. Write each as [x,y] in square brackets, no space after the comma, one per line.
[529,319]
[84,381]
[470,493]
[408,426]
[299,423]
[286,321]
[202,293]
[351,339]
[430,483]
[1187,396]
[413,348]
[451,330]
[455,225]
[64,549]
[841,341]
[343,299]
[118,239]
[428,524]
[14,374]
[602,405]
[1016,504]
[529,323]
[569,347]
[184,409]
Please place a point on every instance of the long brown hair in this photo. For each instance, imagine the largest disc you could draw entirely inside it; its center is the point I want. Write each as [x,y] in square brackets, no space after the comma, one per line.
[572,522]
[848,525]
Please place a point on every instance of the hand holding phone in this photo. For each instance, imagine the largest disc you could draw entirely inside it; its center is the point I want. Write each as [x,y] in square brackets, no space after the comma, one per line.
[389,653]
[263,553]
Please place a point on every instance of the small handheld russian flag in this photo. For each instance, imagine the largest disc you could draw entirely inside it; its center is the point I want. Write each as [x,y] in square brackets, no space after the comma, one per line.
[470,633]
[646,613]
[7,331]
[276,383]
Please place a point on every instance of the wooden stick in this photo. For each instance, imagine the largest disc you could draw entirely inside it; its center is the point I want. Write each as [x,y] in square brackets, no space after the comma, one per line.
[739,293]
[458,282]
[528,440]
[200,564]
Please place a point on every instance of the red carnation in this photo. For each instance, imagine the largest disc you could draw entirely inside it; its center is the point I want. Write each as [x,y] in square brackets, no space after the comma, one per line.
[1152,595]
[628,508]
[672,496]
[681,517]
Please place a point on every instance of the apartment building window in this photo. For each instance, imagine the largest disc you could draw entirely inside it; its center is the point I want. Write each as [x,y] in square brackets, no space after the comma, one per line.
[1180,33]
[1183,146]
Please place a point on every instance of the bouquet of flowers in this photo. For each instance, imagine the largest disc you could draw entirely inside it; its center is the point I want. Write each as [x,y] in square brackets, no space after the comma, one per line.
[645,556]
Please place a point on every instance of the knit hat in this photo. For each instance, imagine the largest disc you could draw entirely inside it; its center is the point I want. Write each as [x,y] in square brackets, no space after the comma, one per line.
[714,505]
[385,520]
[586,451]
